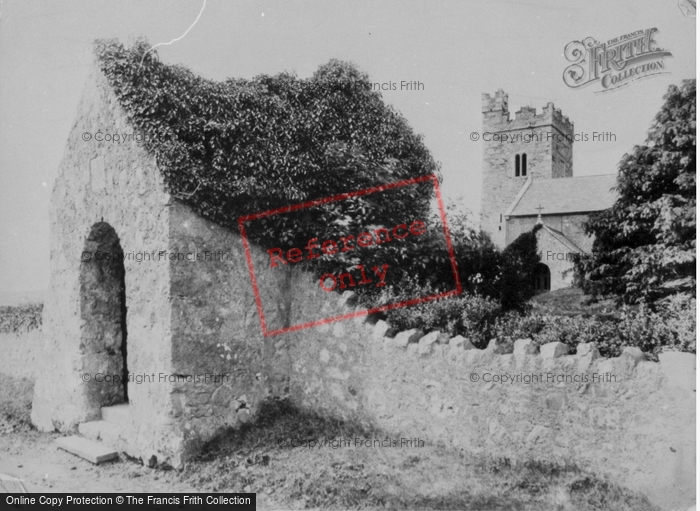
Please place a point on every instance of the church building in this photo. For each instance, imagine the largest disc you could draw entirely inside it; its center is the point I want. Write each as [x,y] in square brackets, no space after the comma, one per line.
[528,179]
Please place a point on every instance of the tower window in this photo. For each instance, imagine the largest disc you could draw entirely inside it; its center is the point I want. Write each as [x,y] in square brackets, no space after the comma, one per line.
[517,165]
[524,164]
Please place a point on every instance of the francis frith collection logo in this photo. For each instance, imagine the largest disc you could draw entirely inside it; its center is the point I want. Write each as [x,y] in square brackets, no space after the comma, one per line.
[615,63]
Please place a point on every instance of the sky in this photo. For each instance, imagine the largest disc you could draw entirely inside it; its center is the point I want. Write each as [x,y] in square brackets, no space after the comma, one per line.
[456,49]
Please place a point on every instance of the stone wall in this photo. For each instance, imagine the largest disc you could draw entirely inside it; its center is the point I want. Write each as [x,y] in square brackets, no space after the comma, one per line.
[117,184]
[215,330]
[626,417]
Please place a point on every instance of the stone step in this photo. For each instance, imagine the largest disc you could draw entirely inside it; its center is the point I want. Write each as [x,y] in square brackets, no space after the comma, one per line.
[114,435]
[117,414]
[10,484]
[90,450]
[102,430]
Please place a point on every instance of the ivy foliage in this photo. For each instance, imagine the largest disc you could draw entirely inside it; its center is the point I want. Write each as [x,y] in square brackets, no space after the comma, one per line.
[518,263]
[244,146]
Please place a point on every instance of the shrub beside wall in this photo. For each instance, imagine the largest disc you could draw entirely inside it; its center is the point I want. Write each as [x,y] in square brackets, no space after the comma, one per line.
[668,326]
[471,316]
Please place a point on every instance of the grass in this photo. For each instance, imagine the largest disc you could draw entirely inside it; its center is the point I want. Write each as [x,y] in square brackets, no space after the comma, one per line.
[20,318]
[15,404]
[258,457]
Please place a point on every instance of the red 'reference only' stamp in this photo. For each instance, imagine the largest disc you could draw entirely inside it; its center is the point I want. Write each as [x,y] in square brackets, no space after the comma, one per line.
[370,238]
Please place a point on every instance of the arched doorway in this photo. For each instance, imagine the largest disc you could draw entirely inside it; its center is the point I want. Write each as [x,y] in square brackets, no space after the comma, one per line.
[103,318]
[542,278]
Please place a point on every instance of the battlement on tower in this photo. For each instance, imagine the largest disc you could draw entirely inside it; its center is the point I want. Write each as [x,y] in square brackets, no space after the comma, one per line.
[497,104]
[497,116]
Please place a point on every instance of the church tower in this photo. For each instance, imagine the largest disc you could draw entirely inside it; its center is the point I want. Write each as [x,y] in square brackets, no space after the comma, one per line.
[529,147]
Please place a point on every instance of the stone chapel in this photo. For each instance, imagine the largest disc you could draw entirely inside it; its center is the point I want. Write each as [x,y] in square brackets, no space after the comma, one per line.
[527,178]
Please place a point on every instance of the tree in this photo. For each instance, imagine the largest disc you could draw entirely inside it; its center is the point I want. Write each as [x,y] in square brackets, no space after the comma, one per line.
[505,276]
[644,246]
[517,266]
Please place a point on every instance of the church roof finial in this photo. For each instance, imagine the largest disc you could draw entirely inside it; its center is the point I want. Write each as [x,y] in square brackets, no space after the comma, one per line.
[539,215]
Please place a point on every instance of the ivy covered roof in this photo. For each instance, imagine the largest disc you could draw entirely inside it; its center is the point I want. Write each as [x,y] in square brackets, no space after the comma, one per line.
[243,146]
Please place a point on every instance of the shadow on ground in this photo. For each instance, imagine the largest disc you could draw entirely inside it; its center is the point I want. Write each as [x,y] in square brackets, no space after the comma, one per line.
[305,460]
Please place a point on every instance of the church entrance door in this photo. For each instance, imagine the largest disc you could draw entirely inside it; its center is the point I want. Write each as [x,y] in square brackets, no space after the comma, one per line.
[542,278]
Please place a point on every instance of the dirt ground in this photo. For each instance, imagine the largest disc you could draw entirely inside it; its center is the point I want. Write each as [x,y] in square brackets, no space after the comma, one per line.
[44,468]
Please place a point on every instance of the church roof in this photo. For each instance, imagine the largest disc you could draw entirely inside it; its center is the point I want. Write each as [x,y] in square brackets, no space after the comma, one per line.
[565,195]
[563,239]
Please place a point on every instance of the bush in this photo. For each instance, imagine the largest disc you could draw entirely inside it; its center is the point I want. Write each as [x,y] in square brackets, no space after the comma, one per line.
[668,327]
[478,318]
[469,315]
[513,325]
[502,276]
[518,263]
